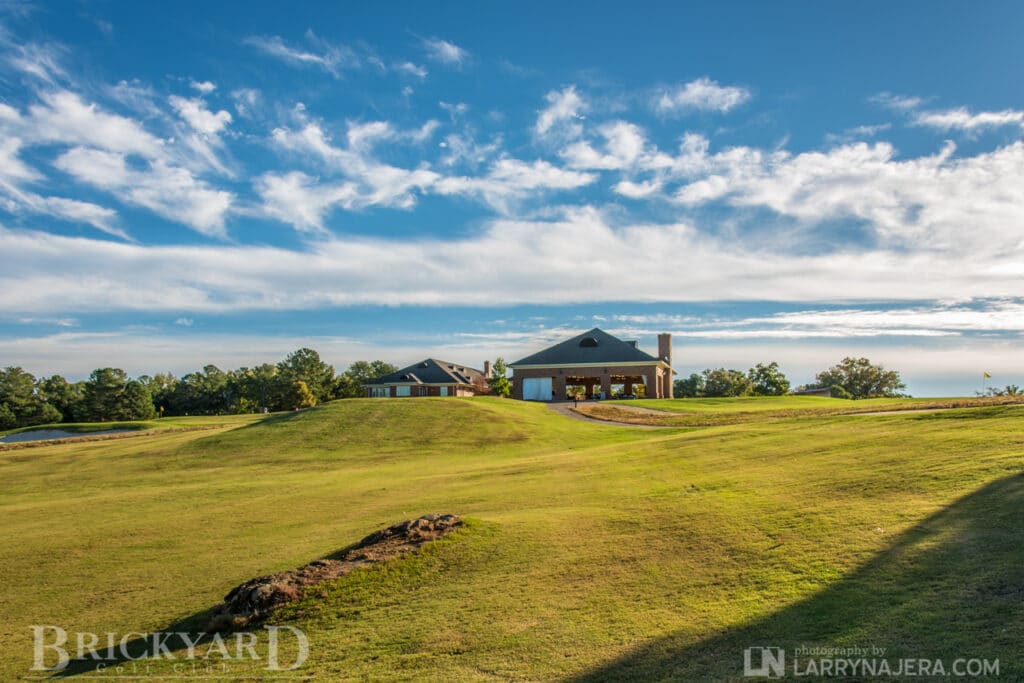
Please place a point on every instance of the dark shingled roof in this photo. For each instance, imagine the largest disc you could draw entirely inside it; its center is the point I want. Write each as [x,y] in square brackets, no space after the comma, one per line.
[433,371]
[595,346]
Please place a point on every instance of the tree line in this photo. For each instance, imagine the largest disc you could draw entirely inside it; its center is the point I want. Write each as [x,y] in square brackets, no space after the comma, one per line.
[851,378]
[301,380]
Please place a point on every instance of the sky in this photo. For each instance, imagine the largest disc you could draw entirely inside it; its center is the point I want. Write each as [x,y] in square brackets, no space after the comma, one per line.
[190,183]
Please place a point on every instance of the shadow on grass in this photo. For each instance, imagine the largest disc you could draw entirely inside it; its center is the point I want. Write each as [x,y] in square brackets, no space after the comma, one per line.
[193,625]
[950,587]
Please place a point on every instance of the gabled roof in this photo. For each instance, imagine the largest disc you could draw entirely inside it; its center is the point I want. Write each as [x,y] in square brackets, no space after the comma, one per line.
[432,371]
[595,346]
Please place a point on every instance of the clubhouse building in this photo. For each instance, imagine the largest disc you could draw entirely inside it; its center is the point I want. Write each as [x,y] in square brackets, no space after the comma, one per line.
[430,377]
[595,365]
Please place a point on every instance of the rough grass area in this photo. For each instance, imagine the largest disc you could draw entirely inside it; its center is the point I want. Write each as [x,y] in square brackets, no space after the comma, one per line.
[711,412]
[594,552]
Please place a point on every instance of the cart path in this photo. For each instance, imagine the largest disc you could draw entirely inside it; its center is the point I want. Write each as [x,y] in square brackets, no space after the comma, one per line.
[566,408]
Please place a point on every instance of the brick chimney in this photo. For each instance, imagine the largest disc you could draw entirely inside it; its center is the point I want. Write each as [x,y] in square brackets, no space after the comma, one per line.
[487,369]
[665,347]
[665,354]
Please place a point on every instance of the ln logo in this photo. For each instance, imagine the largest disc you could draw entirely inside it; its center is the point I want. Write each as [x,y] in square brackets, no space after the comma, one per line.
[764,661]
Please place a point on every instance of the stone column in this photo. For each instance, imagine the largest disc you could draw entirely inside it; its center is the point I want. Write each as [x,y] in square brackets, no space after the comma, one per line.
[558,386]
[606,385]
[651,385]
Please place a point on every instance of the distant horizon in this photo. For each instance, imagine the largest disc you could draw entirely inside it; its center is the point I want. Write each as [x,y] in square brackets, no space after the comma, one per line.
[796,182]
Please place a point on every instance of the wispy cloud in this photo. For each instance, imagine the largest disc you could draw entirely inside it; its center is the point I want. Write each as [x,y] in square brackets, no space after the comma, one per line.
[332,58]
[411,69]
[445,52]
[702,94]
[897,102]
[564,108]
[964,119]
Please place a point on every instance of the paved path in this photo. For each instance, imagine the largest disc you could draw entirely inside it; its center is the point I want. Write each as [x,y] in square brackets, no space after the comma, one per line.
[565,408]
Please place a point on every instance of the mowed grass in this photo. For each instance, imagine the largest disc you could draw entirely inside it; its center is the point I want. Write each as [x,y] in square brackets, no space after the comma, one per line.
[709,412]
[594,552]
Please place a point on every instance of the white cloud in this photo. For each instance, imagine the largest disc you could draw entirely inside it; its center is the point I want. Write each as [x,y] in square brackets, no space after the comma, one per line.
[204,87]
[564,108]
[963,119]
[464,148]
[99,217]
[245,100]
[920,203]
[580,256]
[333,59]
[63,117]
[897,102]
[926,320]
[456,110]
[624,147]
[702,94]
[368,181]
[169,191]
[411,69]
[300,200]
[638,190]
[508,180]
[445,52]
[201,119]
[14,197]
[184,322]
[119,155]
[41,61]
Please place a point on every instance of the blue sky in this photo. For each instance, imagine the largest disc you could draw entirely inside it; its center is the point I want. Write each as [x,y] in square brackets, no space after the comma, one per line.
[211,182]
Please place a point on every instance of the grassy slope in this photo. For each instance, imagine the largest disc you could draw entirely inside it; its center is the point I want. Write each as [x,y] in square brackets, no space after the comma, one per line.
[596,551]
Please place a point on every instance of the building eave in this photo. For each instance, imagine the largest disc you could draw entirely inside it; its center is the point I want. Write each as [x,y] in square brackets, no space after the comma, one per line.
[610,364]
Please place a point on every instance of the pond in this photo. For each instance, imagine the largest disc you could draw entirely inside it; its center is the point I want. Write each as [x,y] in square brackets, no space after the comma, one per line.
[43,434]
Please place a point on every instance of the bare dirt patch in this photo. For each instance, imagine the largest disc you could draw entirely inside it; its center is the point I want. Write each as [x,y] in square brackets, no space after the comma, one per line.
[257,598]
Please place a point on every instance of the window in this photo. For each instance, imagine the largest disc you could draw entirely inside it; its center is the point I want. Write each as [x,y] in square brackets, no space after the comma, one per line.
[588,343]
[402,391]
[444,391]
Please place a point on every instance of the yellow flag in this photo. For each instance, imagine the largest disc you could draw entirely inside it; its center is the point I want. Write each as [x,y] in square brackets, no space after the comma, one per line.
[987,376]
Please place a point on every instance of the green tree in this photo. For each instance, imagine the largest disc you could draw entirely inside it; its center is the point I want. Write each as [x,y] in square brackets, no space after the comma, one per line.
[722,382]
[18,392]
[498,381]
[691,387]
[24,404]
[350,383]
[768,380]
[135,403]
[861,379]
[8,420]
[300,395]
[103,392]
[65,397]
[263,386]
[161,387]
[305,365]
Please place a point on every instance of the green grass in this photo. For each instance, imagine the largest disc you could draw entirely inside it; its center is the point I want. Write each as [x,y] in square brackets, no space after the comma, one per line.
[594,552]
[755,404]
[710,412]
